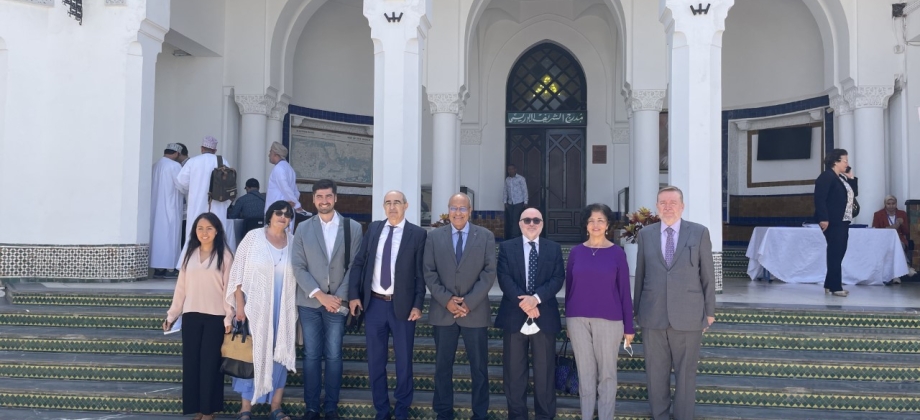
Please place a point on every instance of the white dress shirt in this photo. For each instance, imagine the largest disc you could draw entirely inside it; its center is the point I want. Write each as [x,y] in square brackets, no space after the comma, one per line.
[378,260]
[664,236]
[515,191]
[527,263]
[330,230]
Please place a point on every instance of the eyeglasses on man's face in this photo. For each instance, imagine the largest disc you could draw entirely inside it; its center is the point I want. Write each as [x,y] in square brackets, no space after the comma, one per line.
[458,209]
[532,220]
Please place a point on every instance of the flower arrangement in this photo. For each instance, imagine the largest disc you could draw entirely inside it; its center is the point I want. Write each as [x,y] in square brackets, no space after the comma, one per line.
[443,221]
[636,221]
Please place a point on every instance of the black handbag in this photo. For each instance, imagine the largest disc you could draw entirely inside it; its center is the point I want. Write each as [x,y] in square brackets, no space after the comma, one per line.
[566,372]
[855,207]
[237,352]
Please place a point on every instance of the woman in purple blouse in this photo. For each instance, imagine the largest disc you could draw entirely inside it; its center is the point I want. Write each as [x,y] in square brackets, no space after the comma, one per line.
[598,311]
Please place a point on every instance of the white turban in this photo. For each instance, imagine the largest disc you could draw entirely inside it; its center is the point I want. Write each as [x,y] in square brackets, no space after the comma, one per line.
[279,149]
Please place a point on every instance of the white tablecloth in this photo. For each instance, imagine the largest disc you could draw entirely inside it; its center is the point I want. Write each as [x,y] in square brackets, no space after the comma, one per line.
[799,255]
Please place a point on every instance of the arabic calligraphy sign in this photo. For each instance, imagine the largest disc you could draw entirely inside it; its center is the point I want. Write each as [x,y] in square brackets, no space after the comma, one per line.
[548,118]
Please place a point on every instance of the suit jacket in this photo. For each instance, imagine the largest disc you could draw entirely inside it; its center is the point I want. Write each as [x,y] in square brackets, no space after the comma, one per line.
[880,220]
[831,197]
[408,280]
[512,278]
[680,296]
[471,279]
[313,268]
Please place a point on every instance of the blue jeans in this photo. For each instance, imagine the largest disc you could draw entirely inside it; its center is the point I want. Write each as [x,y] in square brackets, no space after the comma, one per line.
[322,339]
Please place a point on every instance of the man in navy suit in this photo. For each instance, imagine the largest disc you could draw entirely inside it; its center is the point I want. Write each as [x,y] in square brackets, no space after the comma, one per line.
[530,273]
[387,279]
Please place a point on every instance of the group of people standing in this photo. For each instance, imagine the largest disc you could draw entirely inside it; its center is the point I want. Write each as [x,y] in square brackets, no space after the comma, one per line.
[180,190]
[329,269]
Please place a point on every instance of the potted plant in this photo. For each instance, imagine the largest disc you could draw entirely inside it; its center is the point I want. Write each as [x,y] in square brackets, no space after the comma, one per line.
[635,221]
[444,220]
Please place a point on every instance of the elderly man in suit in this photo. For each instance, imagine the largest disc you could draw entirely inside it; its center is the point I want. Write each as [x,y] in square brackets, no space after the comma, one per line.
[674,303]
[530,273]
[321,270]
[459,271]
[387,279]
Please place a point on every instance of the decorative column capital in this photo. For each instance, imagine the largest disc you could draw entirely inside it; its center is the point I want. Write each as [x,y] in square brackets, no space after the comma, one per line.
[255,104]
[840,105]
[278,111]
[869,96]
[444,102]
[646,100]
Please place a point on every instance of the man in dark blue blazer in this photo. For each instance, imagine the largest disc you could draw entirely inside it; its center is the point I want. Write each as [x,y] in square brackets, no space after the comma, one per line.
[387,279]
[530,274]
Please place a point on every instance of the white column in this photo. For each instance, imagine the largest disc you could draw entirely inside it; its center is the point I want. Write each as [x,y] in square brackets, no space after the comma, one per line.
[646,106]
[445,107]
[845,136]
[273,134]
[398,44]
[695,108]
[253,153]
[869,104]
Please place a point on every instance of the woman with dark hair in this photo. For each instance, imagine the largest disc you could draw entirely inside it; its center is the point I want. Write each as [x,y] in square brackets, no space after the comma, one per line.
[835,195]
[199,299]
[598,311]
[262,289]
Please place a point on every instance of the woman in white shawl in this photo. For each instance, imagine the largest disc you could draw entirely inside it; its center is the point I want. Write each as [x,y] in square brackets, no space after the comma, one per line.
[262,288]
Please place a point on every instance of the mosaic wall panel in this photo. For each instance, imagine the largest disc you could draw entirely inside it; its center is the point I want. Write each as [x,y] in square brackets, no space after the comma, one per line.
[74,263]
[717,261]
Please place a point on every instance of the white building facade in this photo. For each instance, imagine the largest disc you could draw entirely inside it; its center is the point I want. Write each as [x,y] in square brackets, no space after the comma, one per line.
[593,100]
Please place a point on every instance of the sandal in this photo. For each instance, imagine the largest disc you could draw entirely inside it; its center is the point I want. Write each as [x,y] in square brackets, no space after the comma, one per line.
[198,416]
[244,415]
[279,415]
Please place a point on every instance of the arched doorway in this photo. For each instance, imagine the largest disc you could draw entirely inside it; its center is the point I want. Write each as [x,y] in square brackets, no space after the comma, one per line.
[545,136]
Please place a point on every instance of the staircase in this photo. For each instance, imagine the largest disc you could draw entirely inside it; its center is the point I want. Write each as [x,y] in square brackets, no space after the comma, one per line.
[85,349]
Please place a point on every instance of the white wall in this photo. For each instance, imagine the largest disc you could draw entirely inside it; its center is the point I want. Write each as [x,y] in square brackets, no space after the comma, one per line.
[188,102]
[334,61]
[897,146]
[76,102]
[593,43]
[201,22]
[772,52]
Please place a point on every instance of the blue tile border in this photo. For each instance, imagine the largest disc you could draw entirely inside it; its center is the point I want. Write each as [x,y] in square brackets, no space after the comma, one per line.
[767,111]
[319,114]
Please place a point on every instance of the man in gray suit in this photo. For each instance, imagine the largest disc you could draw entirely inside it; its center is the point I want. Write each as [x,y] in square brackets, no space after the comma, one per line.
[459,270]
[321,271]
[674,303]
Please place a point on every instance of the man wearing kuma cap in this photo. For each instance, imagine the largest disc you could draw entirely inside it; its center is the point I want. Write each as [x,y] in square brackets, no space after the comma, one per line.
[282,182]
[195,179]
[165,213]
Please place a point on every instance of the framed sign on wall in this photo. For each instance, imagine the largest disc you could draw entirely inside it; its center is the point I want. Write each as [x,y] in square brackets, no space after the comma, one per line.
[317,153]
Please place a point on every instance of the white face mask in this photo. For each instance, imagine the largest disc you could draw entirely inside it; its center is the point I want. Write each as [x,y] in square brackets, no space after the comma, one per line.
[530,327]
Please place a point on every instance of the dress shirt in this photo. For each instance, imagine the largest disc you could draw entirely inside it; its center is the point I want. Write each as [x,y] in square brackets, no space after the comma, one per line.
[466,236]
[515,190]
[664,236]
[378,260]
[536,244]
[330,230]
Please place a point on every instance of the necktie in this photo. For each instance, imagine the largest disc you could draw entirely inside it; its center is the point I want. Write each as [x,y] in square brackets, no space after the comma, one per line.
[459,246]
[532,267]
[669,246]
[385,277]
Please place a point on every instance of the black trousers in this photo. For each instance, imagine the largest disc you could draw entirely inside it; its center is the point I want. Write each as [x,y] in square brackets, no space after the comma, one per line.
[512,217]
[836,235]
[476,343]
[202,381]
[516,370]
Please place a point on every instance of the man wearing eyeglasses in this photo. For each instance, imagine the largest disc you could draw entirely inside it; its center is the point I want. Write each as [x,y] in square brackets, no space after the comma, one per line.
[387,279]
[459,270]
[530,274]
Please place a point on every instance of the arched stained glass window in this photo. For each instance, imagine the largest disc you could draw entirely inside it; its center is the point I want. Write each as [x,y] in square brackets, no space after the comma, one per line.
[546,78]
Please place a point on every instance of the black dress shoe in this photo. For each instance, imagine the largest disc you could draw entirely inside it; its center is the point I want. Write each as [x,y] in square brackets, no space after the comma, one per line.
[331,415]
[310,415]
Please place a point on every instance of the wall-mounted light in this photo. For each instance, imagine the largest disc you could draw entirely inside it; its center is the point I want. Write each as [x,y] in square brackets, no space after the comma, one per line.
[75,9]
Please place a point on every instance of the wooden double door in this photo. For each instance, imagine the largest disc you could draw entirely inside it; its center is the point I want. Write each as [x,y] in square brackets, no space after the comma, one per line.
[552,160]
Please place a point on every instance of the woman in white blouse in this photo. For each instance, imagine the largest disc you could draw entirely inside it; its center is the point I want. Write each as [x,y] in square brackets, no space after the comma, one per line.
[262,288]
[198,298]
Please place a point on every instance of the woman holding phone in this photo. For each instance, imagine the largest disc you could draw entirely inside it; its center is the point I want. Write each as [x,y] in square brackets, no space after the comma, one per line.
[835,195]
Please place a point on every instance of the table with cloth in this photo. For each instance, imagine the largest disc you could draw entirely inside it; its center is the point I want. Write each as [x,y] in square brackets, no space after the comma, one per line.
[799,255]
